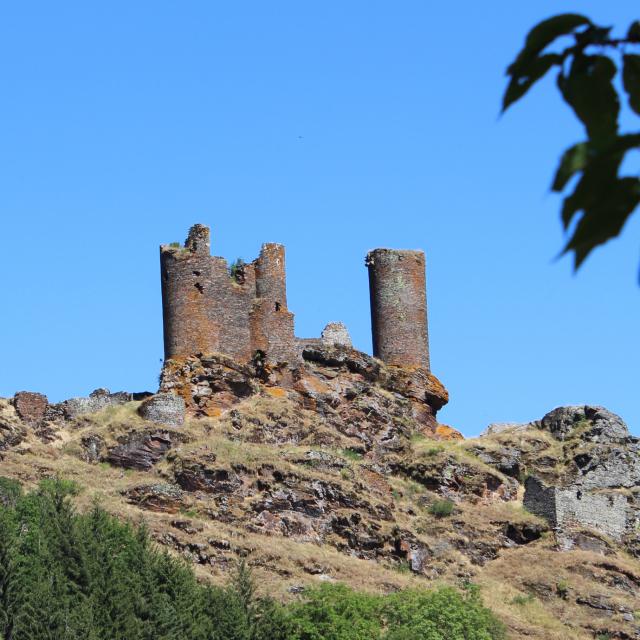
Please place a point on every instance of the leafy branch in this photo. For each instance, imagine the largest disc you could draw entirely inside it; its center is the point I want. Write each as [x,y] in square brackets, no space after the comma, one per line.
[602,200]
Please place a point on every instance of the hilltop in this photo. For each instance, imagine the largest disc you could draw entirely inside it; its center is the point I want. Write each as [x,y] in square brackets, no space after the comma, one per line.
[338,470]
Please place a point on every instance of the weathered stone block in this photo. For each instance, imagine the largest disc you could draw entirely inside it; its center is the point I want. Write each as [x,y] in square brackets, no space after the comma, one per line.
[30,406]
[336,334]
[164,408]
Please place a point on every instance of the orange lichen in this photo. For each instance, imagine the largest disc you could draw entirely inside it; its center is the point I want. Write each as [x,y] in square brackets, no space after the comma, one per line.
[276,392]
[445,432]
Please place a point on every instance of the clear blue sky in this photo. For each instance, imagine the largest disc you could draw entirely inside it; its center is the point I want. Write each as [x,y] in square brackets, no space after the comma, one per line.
[332,127]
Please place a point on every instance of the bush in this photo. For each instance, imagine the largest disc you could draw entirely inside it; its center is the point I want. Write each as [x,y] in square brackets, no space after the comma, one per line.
[441,508]
[236,268]
[335,612]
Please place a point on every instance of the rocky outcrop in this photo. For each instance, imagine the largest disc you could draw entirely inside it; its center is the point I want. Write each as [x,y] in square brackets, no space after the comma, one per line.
[96,401]
[140,450]
[164,498]
[337,469]
[351,392]
[592,424]
[589,480]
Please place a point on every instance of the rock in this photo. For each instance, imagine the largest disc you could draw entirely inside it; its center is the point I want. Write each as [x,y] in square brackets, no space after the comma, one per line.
[507,460]
[210,384]
[97,401]
[499,427]
[523,532]
[30,407]
[445,432]
[93,446]
[568,540]
[187,526]
[595,424]
[336,334]
[164,408]
[12,429]
[453,479]
[597,601]
[196,477]
[165,498]
[140,450]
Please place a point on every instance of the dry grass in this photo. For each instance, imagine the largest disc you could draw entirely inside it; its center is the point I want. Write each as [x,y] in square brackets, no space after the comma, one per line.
[520,585]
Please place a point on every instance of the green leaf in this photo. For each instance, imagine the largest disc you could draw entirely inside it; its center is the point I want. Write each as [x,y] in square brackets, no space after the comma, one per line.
[573,160]
[593,35]
[589,89]
[597,178]
[604,218]
[529,74]
[634,31]
[631,80]
[543,34]
[583,155]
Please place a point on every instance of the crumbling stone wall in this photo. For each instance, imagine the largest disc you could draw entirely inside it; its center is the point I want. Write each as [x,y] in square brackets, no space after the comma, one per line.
[397,286]
[271,321]
[336,333]
[31,407]
[563,507]
[540,499]
[206,309]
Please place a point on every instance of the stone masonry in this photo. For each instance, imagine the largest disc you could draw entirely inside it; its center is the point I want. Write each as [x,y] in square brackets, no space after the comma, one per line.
[242,312]
[209,309]
[566,506]
[399,307]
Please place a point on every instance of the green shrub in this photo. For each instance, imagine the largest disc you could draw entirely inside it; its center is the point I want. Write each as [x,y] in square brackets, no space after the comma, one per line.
[351,454]
[562,588]
[441,508]
[522,599]
[335,612]
[236,267]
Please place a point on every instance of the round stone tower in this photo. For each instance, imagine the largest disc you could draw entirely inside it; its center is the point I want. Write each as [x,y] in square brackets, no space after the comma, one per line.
[189,325]
[397,286]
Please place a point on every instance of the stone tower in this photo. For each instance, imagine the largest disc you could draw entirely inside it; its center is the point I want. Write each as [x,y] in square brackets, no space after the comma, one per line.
[397,286]
[209,309]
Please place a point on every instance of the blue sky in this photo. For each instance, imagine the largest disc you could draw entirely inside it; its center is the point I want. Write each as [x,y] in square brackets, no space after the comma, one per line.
[332,127]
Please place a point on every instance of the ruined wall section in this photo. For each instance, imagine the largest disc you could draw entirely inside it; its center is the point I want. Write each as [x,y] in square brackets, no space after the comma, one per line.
[562,507]
[271,322]
[397,287]
[231,302]
[206,309]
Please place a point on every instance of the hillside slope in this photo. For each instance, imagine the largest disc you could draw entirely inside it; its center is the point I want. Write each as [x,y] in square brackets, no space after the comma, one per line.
[340,472]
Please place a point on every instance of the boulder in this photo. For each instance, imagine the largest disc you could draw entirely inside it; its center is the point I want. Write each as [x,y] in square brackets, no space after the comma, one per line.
[164,408]
[593,423]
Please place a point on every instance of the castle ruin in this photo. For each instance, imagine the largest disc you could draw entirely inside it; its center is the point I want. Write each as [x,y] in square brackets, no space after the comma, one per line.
[242,311]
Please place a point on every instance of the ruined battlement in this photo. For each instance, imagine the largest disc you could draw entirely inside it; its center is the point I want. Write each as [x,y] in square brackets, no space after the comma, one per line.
[209,307]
